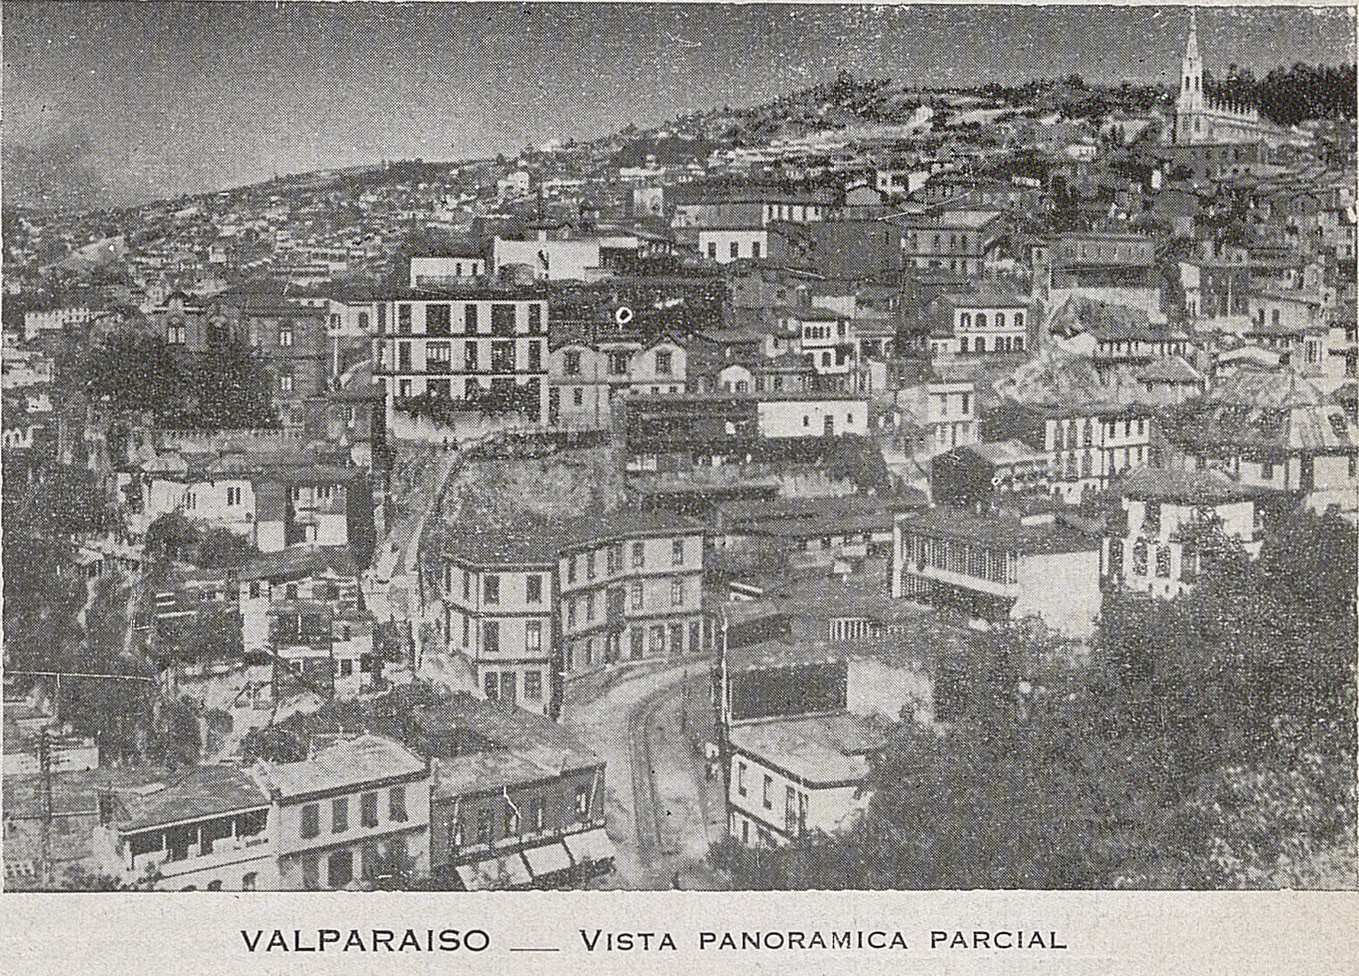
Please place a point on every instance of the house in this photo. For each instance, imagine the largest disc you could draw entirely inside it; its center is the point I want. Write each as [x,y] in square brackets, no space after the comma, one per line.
[586,376]
[984,319]
[937,414]
[1169,516]
[997,567]
[210,829]
[356,809]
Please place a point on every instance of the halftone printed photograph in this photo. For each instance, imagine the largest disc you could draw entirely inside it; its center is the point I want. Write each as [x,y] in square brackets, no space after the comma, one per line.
[478,447]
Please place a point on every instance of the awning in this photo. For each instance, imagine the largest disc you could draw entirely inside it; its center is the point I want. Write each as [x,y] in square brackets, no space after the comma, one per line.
[498,872]
[547,859]
[592,845]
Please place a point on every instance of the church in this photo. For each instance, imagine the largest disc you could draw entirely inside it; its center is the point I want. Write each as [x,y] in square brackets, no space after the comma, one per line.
[1200,120]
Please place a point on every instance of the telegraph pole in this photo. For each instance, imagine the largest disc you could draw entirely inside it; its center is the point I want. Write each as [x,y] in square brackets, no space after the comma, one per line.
[45,799]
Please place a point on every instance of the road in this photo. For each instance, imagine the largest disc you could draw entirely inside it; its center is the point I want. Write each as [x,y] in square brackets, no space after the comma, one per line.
[662,812]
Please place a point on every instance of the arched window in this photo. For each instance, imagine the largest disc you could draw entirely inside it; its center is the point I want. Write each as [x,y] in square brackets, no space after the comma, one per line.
[1086,464]
[1139,566]
[981,320]
[1088,434]
[981,342]
[966,320]
[1019,320]
[1000,320]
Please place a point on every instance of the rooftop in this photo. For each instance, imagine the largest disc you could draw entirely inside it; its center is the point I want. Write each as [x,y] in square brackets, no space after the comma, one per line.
[998,530]
[820,750]
[205,791]
[347,763]
[1177,485]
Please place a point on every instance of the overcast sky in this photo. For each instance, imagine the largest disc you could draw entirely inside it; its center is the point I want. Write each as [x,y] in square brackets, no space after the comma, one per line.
[162,98]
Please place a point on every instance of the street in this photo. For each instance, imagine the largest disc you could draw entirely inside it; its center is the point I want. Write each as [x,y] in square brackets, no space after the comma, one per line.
[662,812]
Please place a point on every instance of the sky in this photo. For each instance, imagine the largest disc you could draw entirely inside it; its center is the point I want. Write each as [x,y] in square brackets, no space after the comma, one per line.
[144,100]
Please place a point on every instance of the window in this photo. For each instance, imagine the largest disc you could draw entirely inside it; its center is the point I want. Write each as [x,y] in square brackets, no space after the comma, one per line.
[311,874]
[368,809]
[664,363]
[638,642]
[1267,470]
[233,496]
[677,552]
[491,589]
[734,249]
[533,688]
[311,820]
[340,868]
[533,637]
[589,607]
[174,333]
[712,250]
[403,319]
[285,382]
[363,321]
[1163,562]
[571,614]
[768,789]
[535,319]
[502,319]
[249,880]
[513,821]
[741,777]
[535,357]
[571,569]
[533,588]
[677,593]
[658,639]
[1019,321]
[638,555]
[1139,566]
[490,637]
[578,397]
[483,826]
[469,318]
[339,807]
[469,357]
[590,565]
[636,589]
[571,362]
[490,683]
[502,357]
[438,321]
[396,804]
[618,362]
[582,803]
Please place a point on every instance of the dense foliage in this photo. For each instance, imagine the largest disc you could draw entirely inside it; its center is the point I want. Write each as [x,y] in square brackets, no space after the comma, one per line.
[1210,742]
[228,389]
[1291,95]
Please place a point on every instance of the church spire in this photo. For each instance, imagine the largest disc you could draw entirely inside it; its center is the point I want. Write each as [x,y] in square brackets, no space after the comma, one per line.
[1191,51]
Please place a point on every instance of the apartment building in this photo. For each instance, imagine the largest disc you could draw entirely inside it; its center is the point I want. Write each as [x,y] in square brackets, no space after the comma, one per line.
[530,601]
[500,601]
[997,567]
[517,802]
[469,350]
[1091,444]
[631,588]
[984,319]
[958,240]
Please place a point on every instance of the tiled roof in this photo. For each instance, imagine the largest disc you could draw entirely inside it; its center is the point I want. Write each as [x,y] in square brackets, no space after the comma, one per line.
[1176,484]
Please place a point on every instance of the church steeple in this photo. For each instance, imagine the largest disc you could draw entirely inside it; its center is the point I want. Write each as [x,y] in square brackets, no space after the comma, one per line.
[1191,69]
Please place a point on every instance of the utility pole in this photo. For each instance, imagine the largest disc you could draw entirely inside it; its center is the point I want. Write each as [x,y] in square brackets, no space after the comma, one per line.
[45,799]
